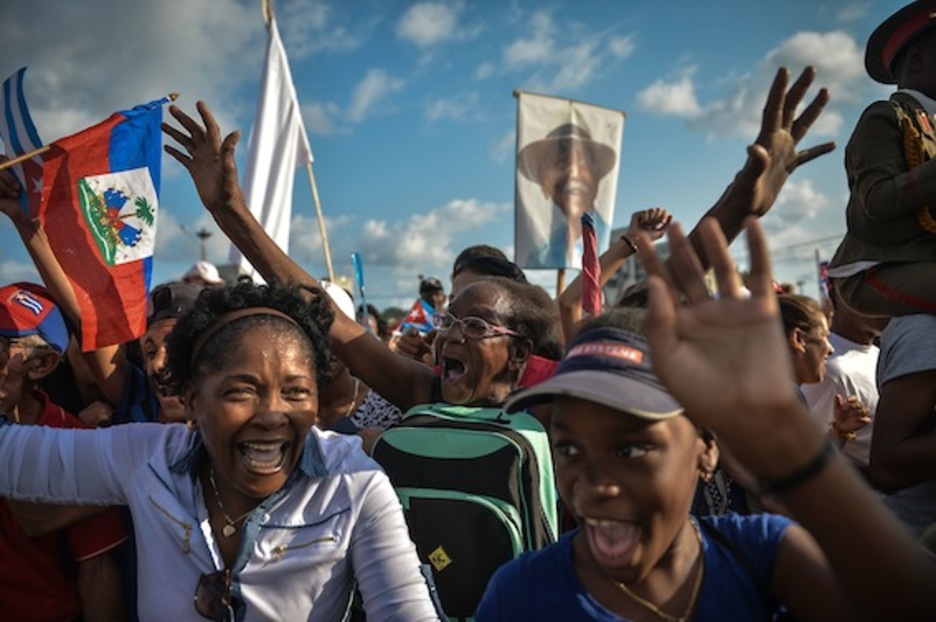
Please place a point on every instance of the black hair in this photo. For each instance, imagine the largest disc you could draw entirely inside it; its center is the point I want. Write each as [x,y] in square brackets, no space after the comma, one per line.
[312,321]
[429,285]
[533,314]
[637,296]
[382,329]
[490,266]
[631,319]
[478,250]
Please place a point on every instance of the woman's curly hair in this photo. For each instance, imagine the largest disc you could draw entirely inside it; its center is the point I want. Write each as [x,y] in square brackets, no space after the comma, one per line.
[313,317]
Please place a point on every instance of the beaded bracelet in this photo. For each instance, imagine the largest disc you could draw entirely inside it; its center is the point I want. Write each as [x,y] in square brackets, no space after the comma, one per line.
[629,242]
[799,476]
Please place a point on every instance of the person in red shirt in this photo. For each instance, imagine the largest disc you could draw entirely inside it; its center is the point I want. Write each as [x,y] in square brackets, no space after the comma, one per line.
[57,561]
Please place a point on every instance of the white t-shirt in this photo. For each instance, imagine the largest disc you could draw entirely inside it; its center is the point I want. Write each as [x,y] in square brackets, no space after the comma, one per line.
[851,370]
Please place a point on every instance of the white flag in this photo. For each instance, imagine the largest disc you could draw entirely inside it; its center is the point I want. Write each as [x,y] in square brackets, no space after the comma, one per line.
[567,165]
[277,146]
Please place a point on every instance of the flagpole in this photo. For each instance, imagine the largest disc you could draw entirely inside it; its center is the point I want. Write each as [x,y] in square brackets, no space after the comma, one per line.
[321,222]
[24,157]
[560,280]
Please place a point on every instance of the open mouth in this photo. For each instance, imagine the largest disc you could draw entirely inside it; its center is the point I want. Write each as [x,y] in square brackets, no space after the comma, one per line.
[453,369]
[575,188]
[612,542]
[263,458]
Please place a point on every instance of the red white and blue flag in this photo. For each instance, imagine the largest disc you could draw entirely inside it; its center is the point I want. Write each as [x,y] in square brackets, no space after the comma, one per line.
[99,205]
[20,137]
[420,317]
[591,269]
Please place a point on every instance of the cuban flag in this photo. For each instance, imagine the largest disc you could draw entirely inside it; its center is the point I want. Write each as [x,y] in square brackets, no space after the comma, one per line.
[20,137]
[99,205]
[591,269]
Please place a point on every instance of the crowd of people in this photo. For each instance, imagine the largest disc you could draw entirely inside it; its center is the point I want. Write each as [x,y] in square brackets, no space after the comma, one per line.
[726,453]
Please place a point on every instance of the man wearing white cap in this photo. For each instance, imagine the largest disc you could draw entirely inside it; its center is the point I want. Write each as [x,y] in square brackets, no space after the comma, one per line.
[204,274]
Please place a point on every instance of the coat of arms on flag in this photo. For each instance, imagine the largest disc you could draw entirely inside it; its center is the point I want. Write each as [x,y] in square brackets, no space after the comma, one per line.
[120,210]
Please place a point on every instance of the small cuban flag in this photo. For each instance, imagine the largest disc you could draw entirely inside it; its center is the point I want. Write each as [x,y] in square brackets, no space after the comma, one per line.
[20,137]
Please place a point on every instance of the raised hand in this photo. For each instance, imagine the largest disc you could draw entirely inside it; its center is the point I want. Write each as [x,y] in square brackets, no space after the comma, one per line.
[849,414]
[209,160]
[654,222]
[774,154]
[9,193]
[725,358]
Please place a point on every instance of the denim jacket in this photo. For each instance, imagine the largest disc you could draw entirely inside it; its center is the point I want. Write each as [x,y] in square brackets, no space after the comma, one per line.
[335,522]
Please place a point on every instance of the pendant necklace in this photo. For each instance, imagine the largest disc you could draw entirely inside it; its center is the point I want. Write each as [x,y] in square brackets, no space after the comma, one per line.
[357,384]
[230,527]
[692,600]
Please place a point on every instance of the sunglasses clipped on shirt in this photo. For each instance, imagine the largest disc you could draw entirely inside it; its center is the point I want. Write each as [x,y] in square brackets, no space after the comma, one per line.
[472,327]
[213,598]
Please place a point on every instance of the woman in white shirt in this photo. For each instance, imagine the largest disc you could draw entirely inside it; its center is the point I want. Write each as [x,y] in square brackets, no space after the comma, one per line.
[250,510]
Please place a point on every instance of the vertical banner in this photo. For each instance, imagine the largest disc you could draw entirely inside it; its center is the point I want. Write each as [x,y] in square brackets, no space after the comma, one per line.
[277,146]
[568,157]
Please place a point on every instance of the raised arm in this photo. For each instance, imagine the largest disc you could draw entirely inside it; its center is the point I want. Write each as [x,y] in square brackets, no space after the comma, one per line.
[210,162]
[653,222]
[726,362]
[108,364]
[771,159]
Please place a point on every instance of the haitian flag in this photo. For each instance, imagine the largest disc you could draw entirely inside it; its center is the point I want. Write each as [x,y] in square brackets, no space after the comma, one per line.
[20,137]
[99,203]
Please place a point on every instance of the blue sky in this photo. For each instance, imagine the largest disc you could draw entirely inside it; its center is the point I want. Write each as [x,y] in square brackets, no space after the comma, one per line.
[411,117]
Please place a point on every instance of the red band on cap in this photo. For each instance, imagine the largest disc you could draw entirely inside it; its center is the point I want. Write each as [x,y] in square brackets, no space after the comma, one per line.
[902,35]
[606,349]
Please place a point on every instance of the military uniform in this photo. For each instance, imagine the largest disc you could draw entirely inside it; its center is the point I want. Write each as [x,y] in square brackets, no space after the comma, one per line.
[886,264]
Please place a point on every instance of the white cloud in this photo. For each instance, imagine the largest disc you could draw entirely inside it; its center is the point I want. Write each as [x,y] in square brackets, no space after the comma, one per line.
[376,85]
[485,70]
[428,23]
[186,47]
[837,57]
[321,118]
[839,65]
[309,28]
[622,47]
[504,147]
[676,98]
[537,49]
[853,12]
[455,108]
[799,202]
[177,241]
[557,67]
[429,237]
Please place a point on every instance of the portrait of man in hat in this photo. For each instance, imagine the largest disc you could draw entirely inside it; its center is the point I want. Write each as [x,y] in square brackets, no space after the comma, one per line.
[568,166]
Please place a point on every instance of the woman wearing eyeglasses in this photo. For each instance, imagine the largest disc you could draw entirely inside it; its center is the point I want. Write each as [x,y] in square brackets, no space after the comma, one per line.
[250,513]
[480,368]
